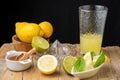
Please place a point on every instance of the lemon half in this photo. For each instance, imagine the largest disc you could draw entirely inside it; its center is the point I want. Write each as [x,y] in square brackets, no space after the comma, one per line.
[47,64]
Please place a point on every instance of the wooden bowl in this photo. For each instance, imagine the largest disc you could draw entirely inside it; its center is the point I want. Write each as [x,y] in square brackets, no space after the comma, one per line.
[19,45]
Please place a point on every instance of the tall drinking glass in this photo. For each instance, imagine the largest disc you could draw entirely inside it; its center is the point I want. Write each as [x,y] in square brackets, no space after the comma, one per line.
[92,20]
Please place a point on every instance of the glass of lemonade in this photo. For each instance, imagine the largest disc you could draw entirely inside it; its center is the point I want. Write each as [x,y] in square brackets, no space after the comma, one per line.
[92,22]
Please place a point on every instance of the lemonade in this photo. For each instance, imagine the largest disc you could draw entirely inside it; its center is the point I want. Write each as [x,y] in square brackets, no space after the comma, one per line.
[92,20]
[90,42]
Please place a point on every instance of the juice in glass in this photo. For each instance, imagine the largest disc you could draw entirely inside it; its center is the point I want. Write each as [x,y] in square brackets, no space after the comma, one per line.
[91,25]
[90,42]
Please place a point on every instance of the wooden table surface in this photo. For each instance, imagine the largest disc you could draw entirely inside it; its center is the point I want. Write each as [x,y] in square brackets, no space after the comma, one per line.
[110,71]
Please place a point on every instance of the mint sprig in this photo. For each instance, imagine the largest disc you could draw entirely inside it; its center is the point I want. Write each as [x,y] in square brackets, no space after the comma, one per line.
[100,59]
[79,65]
[92,55]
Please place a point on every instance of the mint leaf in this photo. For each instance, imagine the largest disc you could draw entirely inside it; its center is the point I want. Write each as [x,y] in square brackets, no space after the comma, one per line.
[100,59]
[92,55]
[79,65]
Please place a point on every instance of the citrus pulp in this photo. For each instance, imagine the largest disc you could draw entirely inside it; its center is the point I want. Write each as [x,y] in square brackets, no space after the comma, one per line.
[68,63]
[40,43]
[47,64]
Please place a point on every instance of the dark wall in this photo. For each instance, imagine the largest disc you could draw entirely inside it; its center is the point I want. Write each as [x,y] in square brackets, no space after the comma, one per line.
[63,14]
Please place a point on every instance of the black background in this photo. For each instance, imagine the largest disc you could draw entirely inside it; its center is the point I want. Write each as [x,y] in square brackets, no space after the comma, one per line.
[63,14]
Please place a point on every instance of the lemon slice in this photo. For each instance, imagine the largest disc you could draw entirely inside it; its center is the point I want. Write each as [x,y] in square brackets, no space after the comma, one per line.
[106,59]
[88,60]
[47,64]
[97,56]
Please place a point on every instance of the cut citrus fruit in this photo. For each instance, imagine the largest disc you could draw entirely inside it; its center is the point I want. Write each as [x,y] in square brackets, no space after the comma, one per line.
[88,60]
[106,59]
[68,63]
[40,43]
[97,56]
[47,64]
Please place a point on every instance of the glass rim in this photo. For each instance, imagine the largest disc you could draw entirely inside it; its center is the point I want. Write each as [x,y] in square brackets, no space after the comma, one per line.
[93,7]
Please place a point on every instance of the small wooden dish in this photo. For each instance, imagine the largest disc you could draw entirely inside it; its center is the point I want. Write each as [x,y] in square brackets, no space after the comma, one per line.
[22,46]
[19,45]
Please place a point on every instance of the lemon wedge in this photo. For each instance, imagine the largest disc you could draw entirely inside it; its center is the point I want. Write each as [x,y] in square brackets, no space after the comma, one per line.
[88,60]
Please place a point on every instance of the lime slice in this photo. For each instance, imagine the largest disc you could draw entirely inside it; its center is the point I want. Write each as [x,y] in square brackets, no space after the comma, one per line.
[68,63]
[100,59]
[40,43]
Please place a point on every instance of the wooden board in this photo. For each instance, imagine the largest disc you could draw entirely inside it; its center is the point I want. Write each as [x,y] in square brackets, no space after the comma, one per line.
[110,71]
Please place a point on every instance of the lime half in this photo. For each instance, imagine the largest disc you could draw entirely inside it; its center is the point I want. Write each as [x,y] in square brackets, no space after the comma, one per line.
[68,63]
[41,44]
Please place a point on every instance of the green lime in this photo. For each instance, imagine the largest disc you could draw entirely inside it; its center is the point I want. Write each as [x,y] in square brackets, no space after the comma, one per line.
[41,44]
[68,63]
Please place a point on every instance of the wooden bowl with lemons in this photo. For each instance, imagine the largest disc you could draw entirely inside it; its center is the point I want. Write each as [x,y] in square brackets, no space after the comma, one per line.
[19,45]
[25,31]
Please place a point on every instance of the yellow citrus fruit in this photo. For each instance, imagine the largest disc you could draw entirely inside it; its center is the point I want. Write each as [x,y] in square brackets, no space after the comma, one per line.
[88,60]
[26,31]
[47,64]
[46,29]
[19,25]
[106,59]
[96,57]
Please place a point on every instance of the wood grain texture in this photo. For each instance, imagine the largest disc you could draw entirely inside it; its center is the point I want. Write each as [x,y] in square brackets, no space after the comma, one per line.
[110,71]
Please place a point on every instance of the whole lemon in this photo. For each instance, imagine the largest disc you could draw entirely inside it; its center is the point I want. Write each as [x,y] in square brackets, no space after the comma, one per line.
[26,31]
[46,29]
[19,25]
